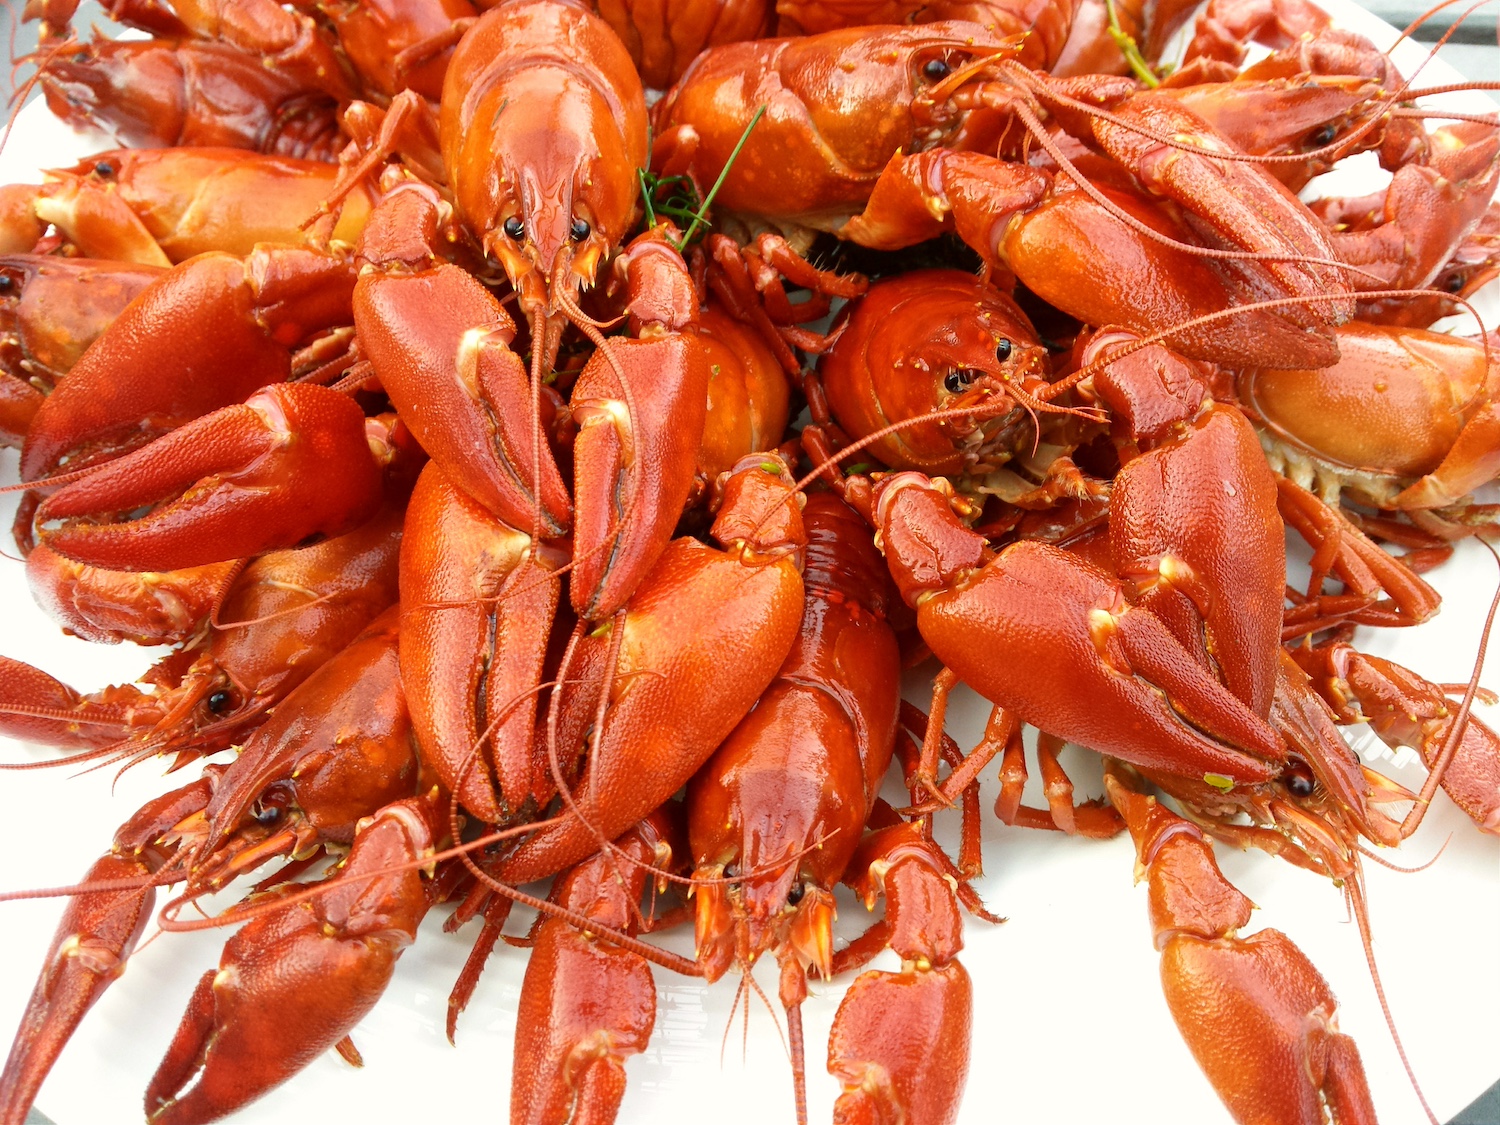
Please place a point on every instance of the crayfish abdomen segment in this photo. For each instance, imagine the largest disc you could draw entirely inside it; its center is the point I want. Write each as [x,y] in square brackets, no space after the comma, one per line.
[1388,411]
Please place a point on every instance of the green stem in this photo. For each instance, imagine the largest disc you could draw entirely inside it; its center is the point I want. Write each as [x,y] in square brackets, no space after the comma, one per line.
[1128,47]
[640,175]
[709,198]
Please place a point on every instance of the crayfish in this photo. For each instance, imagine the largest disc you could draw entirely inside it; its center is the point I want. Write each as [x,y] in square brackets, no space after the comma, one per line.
[435,392]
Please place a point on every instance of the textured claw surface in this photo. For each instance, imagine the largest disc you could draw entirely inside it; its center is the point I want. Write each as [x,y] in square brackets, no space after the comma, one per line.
[291,463]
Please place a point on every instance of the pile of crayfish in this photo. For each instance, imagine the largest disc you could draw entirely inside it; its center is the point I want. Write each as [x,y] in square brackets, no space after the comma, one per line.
[542,489]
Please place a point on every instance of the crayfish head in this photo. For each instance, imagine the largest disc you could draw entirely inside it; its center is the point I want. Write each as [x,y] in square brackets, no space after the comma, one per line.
[935,341]
[941,63]
[80,79]
[17,273]
[555,192]
[1325,117]
[543,127]
[738,920]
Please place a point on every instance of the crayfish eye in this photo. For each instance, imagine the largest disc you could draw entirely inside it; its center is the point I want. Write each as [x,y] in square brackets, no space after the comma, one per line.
[515,228]
[1322,136]
[1003,350]
[731,871]
[81,57]
[6,281]
[219,702]
[1299,778]
[794,894]
[104,169]
[1453,283]
[936,69]
[957,380]
[579,230]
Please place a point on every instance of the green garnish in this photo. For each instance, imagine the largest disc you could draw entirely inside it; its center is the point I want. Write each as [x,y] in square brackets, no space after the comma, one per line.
[1128,47]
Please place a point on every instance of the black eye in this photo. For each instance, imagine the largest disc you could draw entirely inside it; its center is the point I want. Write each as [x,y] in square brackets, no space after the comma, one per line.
[104,169]
[1320,137]
[1002,350]
[6,281]
[268,809]
[219,702]
[731,871]
[794,894]
[1299,778]
[579,230]
[1453,283]
[514,228]
[83,57]
[936,69]
[957,380]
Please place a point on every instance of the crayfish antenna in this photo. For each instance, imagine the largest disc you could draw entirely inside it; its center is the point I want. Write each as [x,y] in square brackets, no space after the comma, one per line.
[539,350]
[1461,722]
[1421,19]
[1389,866]
[799,1059]
[41,59]
[1354,891]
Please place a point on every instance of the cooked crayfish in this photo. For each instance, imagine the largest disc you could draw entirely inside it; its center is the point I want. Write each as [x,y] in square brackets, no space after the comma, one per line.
[1080,517]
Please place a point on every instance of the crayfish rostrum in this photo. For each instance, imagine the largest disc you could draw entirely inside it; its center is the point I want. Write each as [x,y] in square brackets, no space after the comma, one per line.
[453,464]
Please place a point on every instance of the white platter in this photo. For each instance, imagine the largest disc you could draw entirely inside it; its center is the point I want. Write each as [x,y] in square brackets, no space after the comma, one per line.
[1070,1026]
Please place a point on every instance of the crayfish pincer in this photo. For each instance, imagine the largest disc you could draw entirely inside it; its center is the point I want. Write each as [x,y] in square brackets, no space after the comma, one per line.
[541,128]
[327,958]
[289,464]
[337,749]
[670,697]
[1258,1016]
